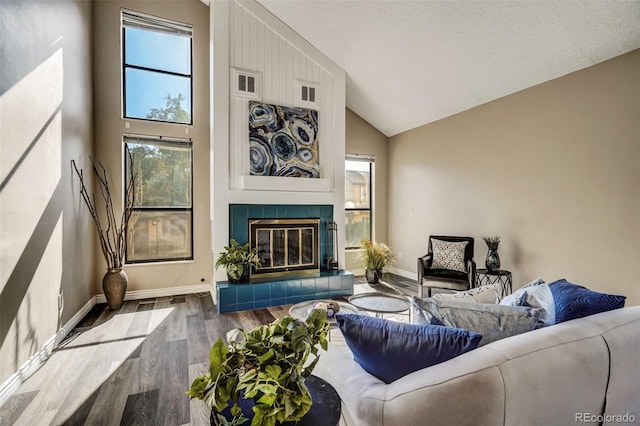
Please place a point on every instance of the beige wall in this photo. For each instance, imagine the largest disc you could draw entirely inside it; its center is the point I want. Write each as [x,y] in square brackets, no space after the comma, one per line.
[363,138]
[46,237]
[109,127]
[554,170]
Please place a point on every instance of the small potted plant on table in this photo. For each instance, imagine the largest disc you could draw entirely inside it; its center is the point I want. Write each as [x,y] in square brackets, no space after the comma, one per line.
[238,260]
[492,262]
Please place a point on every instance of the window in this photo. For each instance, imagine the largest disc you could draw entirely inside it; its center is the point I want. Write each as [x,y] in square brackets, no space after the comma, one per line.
[357,196]
[160,226]
[156,62]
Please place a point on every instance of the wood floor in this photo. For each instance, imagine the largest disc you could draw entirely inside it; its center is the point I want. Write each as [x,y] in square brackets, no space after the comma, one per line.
[133,366]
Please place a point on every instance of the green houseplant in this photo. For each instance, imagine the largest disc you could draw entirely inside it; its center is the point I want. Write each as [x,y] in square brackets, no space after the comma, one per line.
[375,258]
[267,364]
[238,260]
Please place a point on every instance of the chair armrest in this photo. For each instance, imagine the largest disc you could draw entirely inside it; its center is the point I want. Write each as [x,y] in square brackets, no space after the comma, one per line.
[471,270]
[425,261]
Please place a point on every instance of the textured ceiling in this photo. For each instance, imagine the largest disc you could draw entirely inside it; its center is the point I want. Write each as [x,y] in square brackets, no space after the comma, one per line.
[409,63]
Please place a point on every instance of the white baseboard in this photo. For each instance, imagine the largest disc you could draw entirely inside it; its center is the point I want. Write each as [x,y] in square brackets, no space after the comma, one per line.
[161,292]
[35,362]
[403,273]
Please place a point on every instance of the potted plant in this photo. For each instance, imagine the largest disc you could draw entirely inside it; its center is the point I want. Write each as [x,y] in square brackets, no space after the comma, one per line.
[492,261]
[375,258]
[111,228]
[265,368]
[238,260]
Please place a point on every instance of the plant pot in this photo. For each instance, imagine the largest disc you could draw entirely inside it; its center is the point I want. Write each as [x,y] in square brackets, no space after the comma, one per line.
[114,285]
[493,260]
[243,278]
[373,275]
[324,411]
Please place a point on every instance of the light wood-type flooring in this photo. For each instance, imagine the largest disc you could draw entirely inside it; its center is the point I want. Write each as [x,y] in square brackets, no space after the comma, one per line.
[132,366]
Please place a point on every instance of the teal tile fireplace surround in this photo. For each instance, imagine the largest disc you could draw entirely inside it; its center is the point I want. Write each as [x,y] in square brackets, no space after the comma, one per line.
[242,297]
[239,215]
[282,291]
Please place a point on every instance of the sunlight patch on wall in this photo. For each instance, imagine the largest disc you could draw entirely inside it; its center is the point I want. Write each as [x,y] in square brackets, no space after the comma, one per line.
[39,307]
[30,158]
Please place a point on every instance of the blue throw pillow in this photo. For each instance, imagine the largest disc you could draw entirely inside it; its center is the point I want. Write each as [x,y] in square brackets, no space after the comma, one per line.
[390,350]
[573,301]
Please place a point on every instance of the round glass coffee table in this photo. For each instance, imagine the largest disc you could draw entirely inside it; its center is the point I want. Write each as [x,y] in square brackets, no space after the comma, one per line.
[380,303]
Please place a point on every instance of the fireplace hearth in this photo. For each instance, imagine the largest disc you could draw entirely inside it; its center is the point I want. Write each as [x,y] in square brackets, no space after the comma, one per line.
[297,285]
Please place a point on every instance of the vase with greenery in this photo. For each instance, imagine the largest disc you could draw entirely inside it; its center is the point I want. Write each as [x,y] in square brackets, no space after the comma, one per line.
[375,258]
[265,366]
[111,227]
[492,262]
[238,260]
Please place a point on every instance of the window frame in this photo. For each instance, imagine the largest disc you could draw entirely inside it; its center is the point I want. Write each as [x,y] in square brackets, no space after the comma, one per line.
[371,161]
[129,138]
[172,27]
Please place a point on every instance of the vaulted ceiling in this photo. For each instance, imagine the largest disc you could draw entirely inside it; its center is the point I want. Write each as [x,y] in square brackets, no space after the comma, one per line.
[409,63]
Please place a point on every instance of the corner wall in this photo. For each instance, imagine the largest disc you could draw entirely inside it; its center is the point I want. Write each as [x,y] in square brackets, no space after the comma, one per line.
[46,236]
[148,278]
[363,138]
[554,170]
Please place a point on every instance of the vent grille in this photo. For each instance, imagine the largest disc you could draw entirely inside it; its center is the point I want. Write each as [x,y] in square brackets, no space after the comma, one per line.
[307,94]
[245,84]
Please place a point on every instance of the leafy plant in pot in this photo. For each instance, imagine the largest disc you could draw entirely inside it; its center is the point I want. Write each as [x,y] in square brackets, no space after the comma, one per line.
[260,375]
[375,258]
[238,260]
[111,227]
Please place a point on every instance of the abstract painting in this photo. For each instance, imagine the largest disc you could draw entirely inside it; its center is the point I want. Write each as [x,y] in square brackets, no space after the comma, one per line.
[283,141]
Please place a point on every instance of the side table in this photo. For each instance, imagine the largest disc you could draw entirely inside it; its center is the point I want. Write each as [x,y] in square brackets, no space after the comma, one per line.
[503,277]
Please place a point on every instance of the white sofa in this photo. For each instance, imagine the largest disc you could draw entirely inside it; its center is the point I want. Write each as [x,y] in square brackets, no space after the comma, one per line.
[581,371]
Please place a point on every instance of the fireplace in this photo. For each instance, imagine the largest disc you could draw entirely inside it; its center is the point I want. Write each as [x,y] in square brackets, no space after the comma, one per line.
[286,246]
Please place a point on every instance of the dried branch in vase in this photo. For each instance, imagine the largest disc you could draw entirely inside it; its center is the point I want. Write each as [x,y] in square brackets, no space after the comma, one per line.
[112,233]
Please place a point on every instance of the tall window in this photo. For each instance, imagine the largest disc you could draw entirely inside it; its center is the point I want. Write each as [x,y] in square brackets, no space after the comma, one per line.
[156,68]
[357,196]
[160,226]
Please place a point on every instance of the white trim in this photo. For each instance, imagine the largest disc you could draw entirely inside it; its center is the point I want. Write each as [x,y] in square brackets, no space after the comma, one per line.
[280,183]
[35,362]
[403,273]
[160,292]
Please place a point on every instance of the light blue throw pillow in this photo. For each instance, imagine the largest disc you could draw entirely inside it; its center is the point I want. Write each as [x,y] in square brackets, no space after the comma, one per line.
[493,322]
[514,298]
[390,350]
[540,296]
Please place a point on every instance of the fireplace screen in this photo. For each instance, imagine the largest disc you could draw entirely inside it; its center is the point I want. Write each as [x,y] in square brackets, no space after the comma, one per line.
[285,245]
